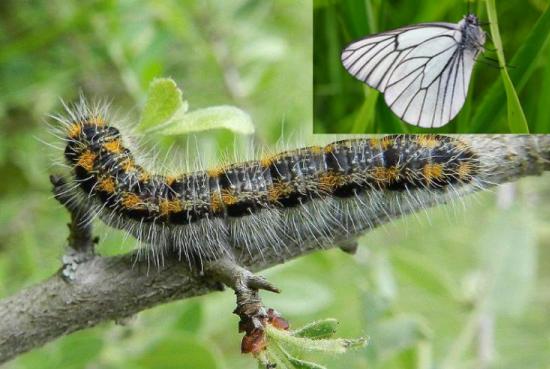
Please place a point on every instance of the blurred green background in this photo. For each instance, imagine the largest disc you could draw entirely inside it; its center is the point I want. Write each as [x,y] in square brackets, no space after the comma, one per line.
[343,104]
[464,287]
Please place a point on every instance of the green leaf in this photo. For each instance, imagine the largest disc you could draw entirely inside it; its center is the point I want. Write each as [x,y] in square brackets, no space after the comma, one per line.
[524,62]
[318,329]
[275,356]
[284,360]
[516,118]
[164,100]
[302,364]
[335,346]
[215,117]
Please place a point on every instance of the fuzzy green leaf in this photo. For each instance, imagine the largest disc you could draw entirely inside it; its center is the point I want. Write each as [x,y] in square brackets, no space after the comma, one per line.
[302,364]
[318,329]
[285,360]
[166,113]
[215,117]
[164,100]
[335,346]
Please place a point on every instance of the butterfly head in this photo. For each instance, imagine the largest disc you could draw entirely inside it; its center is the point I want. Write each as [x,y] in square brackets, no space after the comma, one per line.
[471,20]
[473,36]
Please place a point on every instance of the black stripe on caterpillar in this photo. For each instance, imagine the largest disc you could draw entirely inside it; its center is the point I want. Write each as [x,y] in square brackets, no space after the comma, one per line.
[316,194]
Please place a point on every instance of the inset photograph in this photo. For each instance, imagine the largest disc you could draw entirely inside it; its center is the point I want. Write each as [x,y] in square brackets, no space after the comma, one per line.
[435,66]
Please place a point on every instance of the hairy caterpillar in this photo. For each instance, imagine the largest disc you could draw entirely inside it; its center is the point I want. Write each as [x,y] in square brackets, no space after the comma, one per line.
[314,195]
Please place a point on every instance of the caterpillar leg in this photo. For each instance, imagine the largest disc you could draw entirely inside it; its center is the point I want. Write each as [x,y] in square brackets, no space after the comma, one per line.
[349,246]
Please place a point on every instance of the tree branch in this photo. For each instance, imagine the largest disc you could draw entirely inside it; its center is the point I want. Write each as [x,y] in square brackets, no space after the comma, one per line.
[80,231]
[113,288]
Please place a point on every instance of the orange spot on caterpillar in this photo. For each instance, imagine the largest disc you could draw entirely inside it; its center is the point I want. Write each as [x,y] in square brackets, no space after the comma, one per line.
[170,179]
[330,180]
[279,190]
[131,201]
[432,171]
[127,165]
[114,146]
[169,206]
[427,141]
[461,145]
[96,120]
[228,197]
[74,130]
[315,150]
[215,172]
[383,142]
[385,175]
[374,142]
[265,162]
[216,202]
[465,171]
[107,184]
[386,142]
[274,193]
[86,160]
[144,176]
[328,149]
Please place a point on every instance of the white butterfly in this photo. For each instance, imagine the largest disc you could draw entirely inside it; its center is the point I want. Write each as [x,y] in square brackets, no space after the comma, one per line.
[423,70]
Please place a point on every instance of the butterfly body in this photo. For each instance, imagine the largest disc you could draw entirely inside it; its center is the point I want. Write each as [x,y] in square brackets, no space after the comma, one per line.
[423,70]
[473,35]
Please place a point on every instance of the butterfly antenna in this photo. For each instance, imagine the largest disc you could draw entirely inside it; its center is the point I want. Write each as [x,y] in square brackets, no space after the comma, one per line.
[496,60]
[491,59]
[496,63]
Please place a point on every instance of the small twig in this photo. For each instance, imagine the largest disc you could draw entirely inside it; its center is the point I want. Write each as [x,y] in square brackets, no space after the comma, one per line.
[250,309]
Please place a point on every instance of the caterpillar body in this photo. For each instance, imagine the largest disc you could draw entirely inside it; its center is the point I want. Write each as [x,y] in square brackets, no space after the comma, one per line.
[315,195]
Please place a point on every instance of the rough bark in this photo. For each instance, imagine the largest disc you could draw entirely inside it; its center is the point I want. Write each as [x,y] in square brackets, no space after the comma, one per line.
[113,288]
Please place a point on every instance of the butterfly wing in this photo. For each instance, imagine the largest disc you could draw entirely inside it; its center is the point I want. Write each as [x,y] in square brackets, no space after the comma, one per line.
[421,69]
